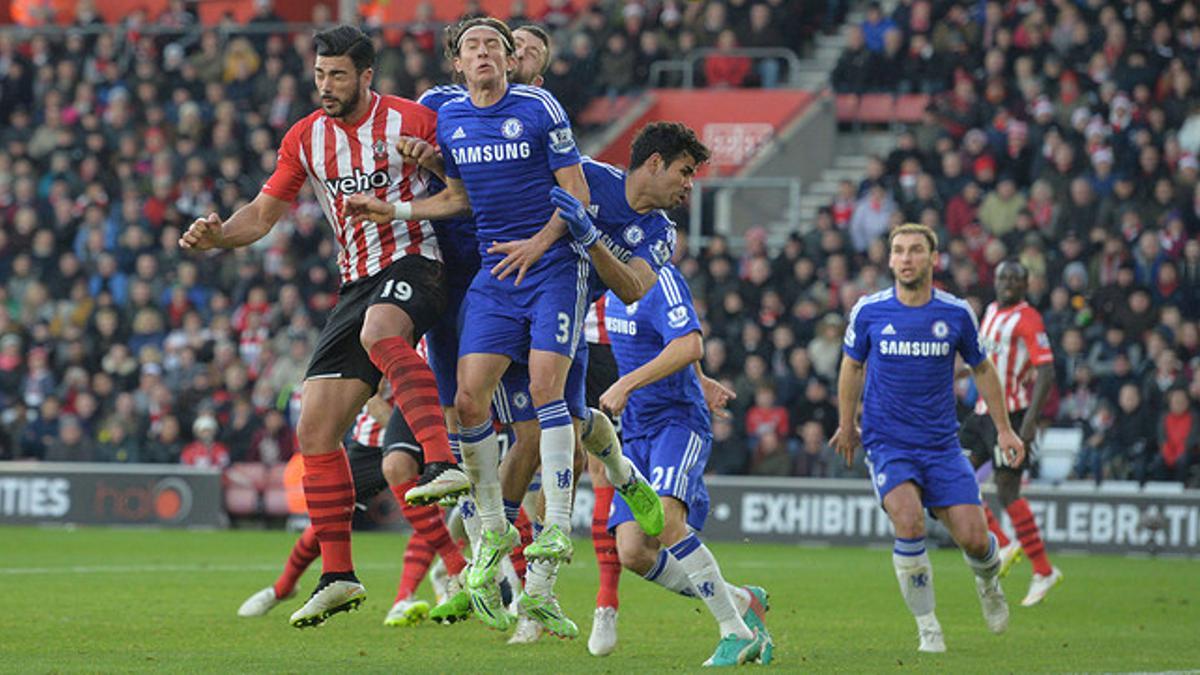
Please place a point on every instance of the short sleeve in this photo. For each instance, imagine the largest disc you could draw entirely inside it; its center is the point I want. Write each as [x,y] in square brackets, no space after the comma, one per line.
[658,241]
[970,347]
[561,150]
[676,314]
[451,167]
[1037,343]
[290,174]
[857,342]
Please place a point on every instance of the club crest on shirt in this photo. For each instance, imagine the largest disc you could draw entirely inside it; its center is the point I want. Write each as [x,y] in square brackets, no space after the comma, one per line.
[940,329]
[512,128]
[379,147]
[634,235]
[631,308]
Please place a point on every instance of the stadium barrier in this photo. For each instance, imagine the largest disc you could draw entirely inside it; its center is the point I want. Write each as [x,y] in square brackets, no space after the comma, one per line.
[110,494]
[1117,518]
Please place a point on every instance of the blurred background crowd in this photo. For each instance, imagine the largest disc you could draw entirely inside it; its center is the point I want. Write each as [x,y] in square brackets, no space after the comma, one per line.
[1062,134]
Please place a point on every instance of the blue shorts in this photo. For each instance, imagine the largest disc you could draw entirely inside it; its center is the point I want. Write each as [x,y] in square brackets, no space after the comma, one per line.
[441,343]
[945,477]
[544,313]
[512,402]
[673,460]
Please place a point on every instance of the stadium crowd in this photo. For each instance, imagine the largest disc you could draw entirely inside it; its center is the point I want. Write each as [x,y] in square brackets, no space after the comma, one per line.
[1067,138]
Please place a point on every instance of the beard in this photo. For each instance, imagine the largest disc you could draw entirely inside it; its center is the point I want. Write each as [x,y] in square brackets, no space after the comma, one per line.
[916,282]
[343,108]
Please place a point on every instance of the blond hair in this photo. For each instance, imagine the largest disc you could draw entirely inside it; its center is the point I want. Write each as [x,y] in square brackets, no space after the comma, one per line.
[915,228]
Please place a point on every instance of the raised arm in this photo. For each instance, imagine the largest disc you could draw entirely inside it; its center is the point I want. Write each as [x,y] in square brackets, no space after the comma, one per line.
[246,226]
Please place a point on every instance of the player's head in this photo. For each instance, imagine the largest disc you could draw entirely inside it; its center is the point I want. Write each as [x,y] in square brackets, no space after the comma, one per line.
[484,51]
[532,44]
[913,250]
[1012,281]
[665,157]
[343,68]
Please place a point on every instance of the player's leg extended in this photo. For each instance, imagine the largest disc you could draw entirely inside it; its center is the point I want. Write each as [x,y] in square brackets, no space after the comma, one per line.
[603,639]
[547,382]
[978,436]
[1045,575]
[327,409]
[911,562]
[304,551]
[601,442]
[389,335]
[968,527]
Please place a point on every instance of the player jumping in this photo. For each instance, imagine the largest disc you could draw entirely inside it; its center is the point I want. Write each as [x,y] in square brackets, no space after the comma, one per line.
[390,294]
[910,334]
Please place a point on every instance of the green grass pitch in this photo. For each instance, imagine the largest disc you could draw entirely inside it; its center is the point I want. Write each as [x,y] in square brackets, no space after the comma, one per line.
[111,600]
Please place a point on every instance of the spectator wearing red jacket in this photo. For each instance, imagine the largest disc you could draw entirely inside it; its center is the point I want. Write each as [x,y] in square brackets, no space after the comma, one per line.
[725,69]
[206,451]
[1178,440]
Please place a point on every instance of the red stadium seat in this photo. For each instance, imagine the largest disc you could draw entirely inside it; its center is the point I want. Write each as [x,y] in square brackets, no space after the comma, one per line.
[603,110]
[241,501]
[251,475]
[275,477]
[877,109]
[275,502]
[911,108]
[847,107]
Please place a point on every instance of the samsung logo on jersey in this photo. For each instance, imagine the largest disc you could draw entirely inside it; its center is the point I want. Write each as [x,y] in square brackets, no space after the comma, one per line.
[620,326]
[494,152]
[359,181]
[923,348]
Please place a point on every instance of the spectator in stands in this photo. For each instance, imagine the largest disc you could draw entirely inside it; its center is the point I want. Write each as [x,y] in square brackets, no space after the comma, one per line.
[816,458]
[728,456]
[771,457]
[1131,439]
[205,451]
[726,68]
[999,209]
[853,72]
[874,27]
[871,218]
[165,444]
[72,443]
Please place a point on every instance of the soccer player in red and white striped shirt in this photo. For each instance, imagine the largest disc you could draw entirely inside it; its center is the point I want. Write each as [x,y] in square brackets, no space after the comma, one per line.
[391,292]
[1016,341]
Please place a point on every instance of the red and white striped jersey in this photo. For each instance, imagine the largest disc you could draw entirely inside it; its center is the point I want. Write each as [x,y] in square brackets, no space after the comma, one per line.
[367,430]
[593,325]
[340,159]
[1016,341]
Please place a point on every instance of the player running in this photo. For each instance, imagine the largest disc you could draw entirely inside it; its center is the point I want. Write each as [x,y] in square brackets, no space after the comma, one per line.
[902,342]
[1015,337]
[666,426]
[391,291]
[504,147]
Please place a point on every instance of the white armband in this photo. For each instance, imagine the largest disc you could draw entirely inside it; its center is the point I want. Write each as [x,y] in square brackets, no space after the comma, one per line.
[402,210]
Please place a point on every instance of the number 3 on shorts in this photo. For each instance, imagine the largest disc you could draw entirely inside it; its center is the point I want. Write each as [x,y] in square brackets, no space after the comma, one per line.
[564,328]
[402,290]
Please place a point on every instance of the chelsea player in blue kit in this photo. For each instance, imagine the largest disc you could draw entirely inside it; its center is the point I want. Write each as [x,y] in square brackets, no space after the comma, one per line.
[902,342]
[667,431]
[504,147]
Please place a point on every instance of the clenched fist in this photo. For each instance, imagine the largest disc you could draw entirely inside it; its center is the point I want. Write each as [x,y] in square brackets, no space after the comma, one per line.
[204,234]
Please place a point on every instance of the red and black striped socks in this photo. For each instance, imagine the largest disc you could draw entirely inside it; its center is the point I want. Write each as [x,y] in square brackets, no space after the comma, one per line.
[418,556]
[428,524]
[415,391]
[994,527]
[329,491]
[303,553]
[606,550]
[1029,536]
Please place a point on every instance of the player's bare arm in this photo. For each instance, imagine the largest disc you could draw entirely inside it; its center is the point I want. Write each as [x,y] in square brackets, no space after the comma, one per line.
[521,254]
[676,356]
[848,437]
[716,395]
[422,153]
[246,226]
[1043,378]
[988,382]
[449,203]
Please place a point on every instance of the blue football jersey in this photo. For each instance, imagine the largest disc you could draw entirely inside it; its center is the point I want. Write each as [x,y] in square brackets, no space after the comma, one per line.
[639,332]
[456,237]
[625,232]
[506,155]
[908,401]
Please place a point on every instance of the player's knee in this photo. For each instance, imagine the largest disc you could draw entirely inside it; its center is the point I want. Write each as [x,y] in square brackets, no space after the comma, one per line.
[471,409]
[976,542]
[636,557]
[1008,486]
[399,467]
[316,435]
[543,391]
[909,524]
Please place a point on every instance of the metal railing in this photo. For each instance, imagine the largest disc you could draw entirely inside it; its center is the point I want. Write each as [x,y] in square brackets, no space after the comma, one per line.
[687,65]
[780,222]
